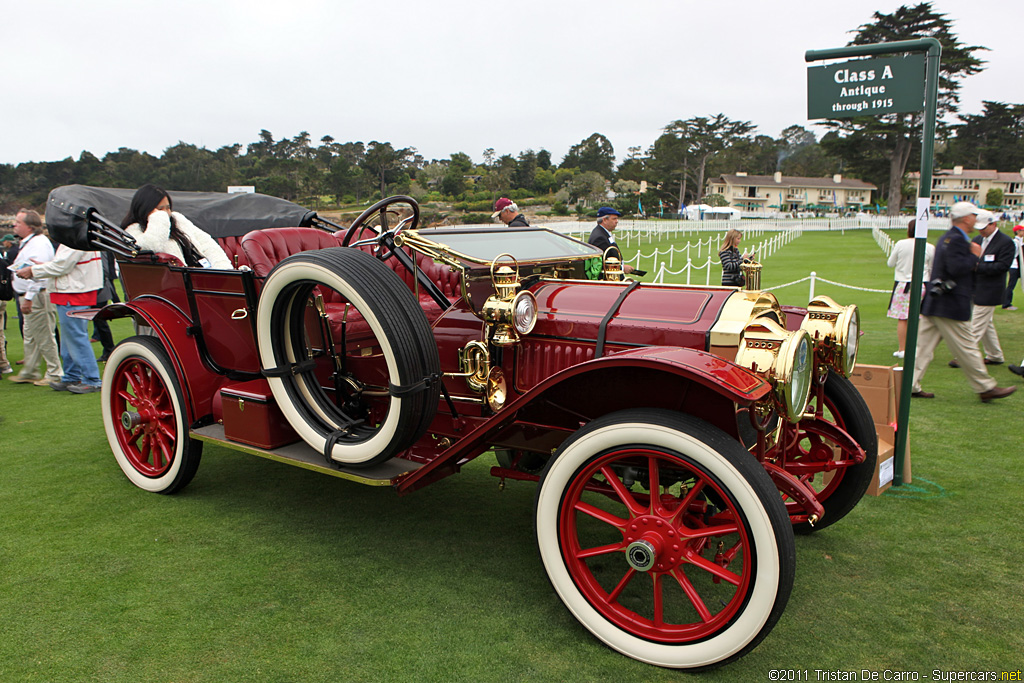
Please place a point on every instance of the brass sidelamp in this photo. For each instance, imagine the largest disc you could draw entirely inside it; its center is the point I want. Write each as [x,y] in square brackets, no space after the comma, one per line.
[508,312]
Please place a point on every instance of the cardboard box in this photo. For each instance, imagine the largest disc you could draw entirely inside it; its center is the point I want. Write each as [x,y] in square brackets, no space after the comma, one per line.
[875,384]
[880,386]
[885,470]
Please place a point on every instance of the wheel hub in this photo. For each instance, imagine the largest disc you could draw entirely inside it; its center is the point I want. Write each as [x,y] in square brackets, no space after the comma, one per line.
[130,420]
[652,544]
[641,555]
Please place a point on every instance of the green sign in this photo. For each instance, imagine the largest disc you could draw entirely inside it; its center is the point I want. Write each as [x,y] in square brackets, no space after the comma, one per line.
[866,87]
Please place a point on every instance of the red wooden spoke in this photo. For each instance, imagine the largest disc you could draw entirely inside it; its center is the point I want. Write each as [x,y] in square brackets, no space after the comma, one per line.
[601,515]
[692,594]
[599,550]
[614,595]
[622,492]
[716,569]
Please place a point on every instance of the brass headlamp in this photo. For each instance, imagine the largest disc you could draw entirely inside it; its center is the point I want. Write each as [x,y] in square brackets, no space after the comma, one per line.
[784,358]
[836,331]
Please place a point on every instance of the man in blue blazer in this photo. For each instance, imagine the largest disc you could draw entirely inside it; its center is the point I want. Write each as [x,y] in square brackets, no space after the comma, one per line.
[601,236]
[946,309]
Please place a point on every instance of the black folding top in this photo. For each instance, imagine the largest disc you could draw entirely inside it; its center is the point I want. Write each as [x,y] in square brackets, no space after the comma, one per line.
[69,209]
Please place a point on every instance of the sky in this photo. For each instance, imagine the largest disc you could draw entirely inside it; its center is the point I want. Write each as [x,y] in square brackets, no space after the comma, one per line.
[443,76]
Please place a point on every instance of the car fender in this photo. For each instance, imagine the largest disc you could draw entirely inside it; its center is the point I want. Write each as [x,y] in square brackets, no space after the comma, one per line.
[199,384]
[688,380]
[737,383]
[681,379]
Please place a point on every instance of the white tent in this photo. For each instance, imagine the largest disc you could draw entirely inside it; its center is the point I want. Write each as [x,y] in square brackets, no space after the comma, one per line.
[697,212]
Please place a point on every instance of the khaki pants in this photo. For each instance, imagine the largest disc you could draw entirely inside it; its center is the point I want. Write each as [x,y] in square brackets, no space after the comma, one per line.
[983,328]
[962,343]
[40,343]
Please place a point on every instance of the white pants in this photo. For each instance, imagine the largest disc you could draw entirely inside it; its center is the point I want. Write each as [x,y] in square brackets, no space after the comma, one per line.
[984,329]
[961,341]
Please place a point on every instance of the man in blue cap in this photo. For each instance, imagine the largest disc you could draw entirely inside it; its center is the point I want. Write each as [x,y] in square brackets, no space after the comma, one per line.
[601,236]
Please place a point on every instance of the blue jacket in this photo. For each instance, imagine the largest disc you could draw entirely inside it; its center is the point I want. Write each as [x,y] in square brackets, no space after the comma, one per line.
[599,238]
[990,281]
[953,261]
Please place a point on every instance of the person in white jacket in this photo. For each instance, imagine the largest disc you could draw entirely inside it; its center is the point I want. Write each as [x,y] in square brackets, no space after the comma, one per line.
[902,259]
[40,318]
[156,227]
[76,278]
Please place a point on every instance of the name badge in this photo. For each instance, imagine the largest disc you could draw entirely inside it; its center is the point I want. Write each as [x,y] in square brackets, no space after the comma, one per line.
[990,257]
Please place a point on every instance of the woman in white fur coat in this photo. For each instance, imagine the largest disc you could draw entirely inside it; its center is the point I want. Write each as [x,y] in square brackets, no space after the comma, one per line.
[156,227]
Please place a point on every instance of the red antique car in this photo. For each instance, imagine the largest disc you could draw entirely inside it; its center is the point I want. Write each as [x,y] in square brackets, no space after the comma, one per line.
[678,435]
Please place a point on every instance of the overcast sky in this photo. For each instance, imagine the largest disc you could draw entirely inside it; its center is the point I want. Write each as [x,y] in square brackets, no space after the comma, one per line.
[442,76]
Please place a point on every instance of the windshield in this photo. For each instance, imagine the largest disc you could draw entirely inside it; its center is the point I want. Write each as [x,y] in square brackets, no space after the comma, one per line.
[483,245]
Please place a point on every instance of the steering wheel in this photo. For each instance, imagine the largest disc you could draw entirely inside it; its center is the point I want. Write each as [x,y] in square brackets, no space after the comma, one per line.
[383,236]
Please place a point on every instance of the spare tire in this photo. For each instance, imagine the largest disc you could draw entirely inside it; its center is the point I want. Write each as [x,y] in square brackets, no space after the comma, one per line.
[407,355]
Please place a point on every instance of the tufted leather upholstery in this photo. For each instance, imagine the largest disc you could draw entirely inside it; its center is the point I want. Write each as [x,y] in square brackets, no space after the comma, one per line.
[232,246]
[264,249]
[444,277]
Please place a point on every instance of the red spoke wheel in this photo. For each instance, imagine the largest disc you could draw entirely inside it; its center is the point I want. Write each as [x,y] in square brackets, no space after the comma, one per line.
[143,413]
[665,538]
[839,488]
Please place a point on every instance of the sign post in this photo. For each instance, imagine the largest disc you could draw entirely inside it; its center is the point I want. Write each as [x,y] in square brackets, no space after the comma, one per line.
[855,89]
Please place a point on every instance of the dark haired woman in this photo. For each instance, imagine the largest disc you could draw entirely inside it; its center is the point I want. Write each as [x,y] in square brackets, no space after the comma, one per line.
[156,227]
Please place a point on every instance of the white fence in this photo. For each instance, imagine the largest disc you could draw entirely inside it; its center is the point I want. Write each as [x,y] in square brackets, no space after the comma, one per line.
[661,267]
[631,230]
[698,255]
[814,279]
[883,240]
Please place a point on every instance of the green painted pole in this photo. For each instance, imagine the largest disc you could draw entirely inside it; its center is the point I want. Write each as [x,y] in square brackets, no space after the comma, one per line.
[934,50]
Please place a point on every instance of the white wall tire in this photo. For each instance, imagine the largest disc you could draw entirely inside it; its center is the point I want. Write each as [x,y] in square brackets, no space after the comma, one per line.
[145,419]
[401,332]
[585,527]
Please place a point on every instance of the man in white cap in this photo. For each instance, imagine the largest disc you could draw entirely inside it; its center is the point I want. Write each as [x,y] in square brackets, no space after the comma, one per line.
[506,210]
[946,309]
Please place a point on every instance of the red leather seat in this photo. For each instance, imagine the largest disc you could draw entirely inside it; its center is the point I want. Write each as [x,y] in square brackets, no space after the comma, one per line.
[264,249]
[446,278]
[232,246]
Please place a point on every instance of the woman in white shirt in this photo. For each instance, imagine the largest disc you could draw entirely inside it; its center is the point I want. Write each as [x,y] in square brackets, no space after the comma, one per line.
[156,227]
[902,259]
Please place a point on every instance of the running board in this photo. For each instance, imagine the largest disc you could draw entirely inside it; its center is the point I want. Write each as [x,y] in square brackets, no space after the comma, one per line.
[300,454]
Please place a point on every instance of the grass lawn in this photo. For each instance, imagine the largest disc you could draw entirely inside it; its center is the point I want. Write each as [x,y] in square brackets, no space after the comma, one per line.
[262,572]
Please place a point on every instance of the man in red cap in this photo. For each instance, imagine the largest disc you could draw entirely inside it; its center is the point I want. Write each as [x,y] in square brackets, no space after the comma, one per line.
[1015,267]
[506,210]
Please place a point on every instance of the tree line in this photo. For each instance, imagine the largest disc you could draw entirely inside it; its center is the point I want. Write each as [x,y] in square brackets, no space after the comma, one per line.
[675,167]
